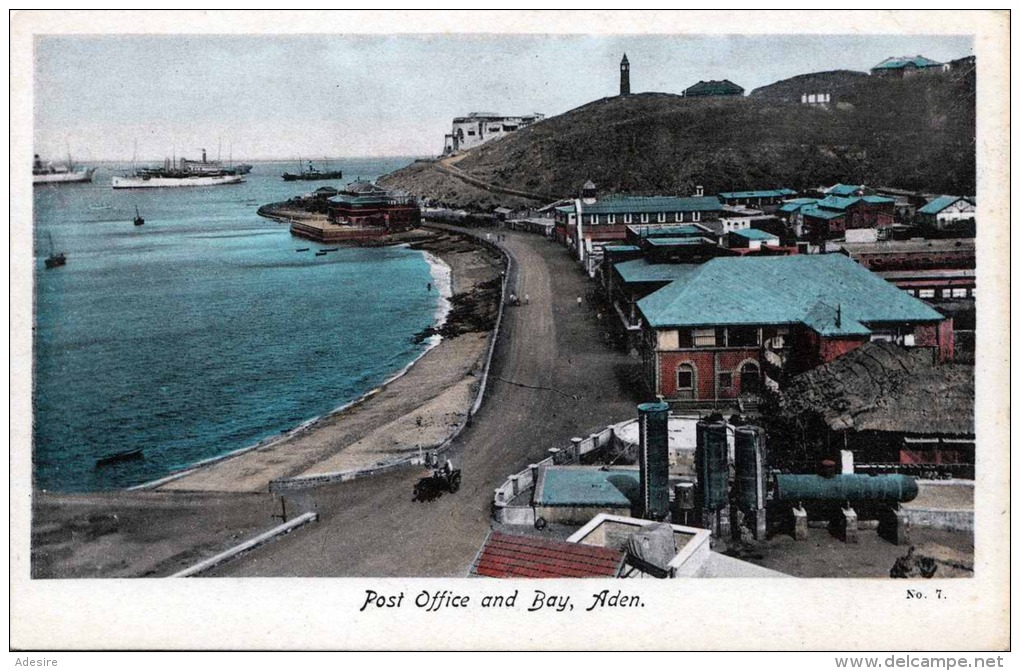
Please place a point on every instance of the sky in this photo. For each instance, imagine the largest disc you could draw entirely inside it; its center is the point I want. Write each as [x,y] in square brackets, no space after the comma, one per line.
[317,96]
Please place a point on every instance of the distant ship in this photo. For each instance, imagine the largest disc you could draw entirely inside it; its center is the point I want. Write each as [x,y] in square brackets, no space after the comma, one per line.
[54,259]
[189,173]
[312,173]
[47,173]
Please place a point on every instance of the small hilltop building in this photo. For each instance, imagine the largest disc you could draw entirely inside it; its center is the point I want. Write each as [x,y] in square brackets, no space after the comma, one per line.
[907,66]
[714,88]
[481,127]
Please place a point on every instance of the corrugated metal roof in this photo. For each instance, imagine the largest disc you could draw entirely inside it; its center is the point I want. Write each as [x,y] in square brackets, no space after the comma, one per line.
[651,204]
[783,290]
[837,202]
[878,199]
[844,189]
[673,242]
[755,234]
[917,246]
[640,270]
[622,248]
[796,204]
[586,486]
[666,230]
[769,193]
[515,556]
[941,203]
[818,213]
[896,62]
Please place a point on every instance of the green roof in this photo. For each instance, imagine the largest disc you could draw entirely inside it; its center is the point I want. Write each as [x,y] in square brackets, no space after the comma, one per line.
[941,203]
[844,189]
[586,486]
[837,202]
[878,199]
[651,204]
[566,209]
[818,213]
[622,248]
[770,193]
[640,270]
[796,204]
[662,231]
[895,63]
[755,234]
[673,242]
[804,289]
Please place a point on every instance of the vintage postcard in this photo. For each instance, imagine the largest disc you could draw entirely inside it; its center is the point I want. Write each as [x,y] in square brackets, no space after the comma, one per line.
[509,330]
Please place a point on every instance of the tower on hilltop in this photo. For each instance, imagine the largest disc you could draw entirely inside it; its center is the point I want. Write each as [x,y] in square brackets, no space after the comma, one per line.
[625,76]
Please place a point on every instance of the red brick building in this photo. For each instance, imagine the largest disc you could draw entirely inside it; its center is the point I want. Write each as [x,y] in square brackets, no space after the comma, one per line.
[734,326]
[366,205]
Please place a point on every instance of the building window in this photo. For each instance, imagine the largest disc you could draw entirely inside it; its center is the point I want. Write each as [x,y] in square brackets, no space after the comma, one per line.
[959,293]
[750,378]
[742,337]
[471,132]
[947,293]
[686,376]
[926,293]
[612,218]
[644,218]
[661,217]
[626,218]
[685,339]
[973,293]
[697,216]
[704,337]
[725,380]
[678,217]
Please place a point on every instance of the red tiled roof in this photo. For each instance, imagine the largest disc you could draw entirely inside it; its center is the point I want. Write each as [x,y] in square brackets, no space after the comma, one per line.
[511,556]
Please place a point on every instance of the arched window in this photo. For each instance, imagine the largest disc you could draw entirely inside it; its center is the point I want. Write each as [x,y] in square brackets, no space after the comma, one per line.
[686,380]
[750,378]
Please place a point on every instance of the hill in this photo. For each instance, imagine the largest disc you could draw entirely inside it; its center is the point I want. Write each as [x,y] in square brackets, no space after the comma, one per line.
[837,83]
[914,133]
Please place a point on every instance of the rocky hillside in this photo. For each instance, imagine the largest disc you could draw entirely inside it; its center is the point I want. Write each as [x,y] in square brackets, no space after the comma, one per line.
[916,133]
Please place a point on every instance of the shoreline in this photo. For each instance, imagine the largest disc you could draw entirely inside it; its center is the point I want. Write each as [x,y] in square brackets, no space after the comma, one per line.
[442,278]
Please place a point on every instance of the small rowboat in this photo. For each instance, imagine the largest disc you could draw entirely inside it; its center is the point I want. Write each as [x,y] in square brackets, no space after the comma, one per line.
[110,459]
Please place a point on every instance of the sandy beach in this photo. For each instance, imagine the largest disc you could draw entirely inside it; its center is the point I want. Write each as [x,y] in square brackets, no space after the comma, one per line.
[164,528]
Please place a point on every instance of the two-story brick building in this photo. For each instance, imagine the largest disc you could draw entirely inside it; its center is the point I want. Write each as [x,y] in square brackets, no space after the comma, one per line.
[590,222]
[734,325]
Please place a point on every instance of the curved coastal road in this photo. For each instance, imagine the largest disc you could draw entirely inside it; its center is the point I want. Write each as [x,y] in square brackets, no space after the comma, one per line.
[371,526]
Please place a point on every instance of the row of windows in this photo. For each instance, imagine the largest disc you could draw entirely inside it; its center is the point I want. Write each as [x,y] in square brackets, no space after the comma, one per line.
[644,218]
[687,378]
[943,293]
[733,336]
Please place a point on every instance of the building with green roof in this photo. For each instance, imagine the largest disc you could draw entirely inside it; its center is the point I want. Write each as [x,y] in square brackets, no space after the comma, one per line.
[905,66]
[722,331]
[945,210]
[367,205]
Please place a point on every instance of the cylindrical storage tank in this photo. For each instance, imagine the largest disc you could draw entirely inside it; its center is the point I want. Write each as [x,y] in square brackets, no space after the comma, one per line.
[653,459]
[711,465]
[750,467]
[846,487]
[684,492]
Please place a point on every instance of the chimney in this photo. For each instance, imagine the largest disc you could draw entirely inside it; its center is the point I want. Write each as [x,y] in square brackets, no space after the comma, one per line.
[653,458]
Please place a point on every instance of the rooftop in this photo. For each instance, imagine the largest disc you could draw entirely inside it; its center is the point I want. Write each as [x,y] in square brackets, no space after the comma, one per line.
[581,486]
[941,203]
[666,230]
[714,88]
[640,270]
[651,204]
[769,193]
[796,204]
[845,189]
[897,62]
[902,246]
[673,242]
[819,213]
[799,289]
[513,556]
[755,234]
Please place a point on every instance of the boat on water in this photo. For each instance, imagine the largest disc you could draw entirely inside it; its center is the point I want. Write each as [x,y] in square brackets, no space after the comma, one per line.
[127,455]
[139,221]
[188,173]
[48,173]
[321,252]
[330,249]
[302,249]
[312,173]
[55,259]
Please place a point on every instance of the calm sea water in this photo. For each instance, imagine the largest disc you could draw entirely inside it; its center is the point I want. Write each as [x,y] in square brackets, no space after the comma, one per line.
[203,331]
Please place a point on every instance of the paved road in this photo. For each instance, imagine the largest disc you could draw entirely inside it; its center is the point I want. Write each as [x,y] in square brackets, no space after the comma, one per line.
[371,527]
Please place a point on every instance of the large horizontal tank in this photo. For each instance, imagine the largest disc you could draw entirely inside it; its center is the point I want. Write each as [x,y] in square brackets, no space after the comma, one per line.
[847,487]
